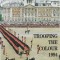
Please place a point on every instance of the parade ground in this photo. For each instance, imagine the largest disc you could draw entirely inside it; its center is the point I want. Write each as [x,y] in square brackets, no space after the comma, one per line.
[43,54]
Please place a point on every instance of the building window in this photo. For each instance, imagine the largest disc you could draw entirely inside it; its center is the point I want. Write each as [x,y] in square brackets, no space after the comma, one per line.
[54,2]
[43,4]
[54,14]
[36,4]
[29,1]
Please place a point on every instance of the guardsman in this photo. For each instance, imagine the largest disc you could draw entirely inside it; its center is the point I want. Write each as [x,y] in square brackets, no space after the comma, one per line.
[18,36]
[0,40]
[21,54]
[59,57]
[14,33]
[2,44]
[38,48]
[27,54]
[31,43]
[4,49]
[22,38]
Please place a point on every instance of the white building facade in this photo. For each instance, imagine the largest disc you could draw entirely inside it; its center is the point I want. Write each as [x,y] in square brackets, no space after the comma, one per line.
[28,11]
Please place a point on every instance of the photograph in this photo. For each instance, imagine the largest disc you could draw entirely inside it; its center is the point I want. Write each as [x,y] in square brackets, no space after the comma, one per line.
[29,29]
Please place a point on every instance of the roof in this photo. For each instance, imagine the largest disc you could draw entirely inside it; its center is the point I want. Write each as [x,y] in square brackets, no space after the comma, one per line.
[18,3]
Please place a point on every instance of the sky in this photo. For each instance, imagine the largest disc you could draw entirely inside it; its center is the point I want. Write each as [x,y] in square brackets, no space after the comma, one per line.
[39,0]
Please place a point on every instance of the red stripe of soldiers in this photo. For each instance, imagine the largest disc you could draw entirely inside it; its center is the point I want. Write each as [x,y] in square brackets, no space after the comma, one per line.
[11,42]
[17,40]
[25,47]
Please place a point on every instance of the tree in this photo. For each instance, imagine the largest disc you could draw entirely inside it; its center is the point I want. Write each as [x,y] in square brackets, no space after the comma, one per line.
[0,17]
